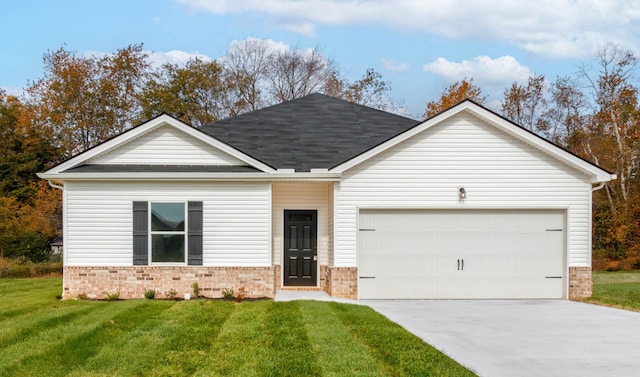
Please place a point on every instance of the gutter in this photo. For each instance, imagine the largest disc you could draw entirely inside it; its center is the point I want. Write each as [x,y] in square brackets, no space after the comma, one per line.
[56,186]
[598,187]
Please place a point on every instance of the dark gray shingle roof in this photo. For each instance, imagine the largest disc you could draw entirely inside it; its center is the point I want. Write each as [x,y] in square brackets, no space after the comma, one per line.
[315,131]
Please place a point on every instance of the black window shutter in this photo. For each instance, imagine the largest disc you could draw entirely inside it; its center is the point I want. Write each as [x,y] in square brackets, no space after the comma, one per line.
[195,234]
[140,234]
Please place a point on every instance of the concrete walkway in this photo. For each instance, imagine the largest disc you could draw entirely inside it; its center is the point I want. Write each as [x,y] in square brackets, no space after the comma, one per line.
[290,295]
[524,337]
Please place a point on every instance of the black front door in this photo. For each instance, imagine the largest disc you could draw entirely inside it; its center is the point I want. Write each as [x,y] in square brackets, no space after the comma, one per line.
[300,248]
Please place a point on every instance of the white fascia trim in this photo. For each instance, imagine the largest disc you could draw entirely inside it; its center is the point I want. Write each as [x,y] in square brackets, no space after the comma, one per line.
[190,176]
[149,126]
[596,174]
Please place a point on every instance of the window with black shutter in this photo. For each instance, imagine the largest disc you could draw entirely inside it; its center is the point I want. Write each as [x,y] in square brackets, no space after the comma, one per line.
[167,233]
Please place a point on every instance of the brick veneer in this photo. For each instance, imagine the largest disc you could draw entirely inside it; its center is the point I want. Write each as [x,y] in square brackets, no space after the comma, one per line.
[131,282]
[580,285]
[342,282]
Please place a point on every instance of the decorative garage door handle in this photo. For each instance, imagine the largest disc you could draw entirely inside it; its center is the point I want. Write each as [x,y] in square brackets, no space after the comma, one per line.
[367,277]
[553,277]
[460,264]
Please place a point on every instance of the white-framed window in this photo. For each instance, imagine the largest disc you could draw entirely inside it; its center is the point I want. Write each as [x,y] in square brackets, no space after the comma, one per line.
[168,232]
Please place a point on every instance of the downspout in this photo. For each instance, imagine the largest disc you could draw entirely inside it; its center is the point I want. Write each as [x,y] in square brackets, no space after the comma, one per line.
[593,188]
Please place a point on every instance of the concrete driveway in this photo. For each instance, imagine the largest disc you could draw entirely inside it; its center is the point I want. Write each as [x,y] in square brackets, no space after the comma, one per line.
[524,337]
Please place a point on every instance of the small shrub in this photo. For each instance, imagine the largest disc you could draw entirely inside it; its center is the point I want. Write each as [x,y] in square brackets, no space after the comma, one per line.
[83,296]
[171,294]
[113,296]
[46,268]
[196,290]
[22,268]
[228,294]
[242,293]
[149,294]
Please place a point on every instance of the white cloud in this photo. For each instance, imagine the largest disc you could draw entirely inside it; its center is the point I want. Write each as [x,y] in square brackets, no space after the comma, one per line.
[550,28]
[485,71]
[304,28]
[394,66]
[269,45]
[158,58]
[12,91]
[178,57]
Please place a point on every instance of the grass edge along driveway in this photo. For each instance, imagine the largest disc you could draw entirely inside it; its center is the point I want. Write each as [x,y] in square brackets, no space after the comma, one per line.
[40,335]
[620,289]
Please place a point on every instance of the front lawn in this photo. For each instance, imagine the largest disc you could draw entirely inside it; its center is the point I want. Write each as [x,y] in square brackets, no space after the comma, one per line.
[41,336]
[618,289]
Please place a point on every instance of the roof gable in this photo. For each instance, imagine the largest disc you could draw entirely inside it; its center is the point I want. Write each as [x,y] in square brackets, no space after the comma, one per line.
[489,118]
[165,145]
[312,132]
[141,145]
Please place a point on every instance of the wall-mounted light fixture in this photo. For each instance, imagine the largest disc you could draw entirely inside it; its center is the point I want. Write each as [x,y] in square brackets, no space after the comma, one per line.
[462,193]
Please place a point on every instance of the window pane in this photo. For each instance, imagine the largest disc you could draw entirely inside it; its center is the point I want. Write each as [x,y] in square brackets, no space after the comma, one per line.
[300,217]
[167,247]
[167,216]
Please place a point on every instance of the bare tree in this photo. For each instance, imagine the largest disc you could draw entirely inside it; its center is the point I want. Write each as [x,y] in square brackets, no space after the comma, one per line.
[248,61]
[297,73]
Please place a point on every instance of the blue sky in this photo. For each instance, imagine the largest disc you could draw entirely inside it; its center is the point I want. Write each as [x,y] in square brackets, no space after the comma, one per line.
[420,47]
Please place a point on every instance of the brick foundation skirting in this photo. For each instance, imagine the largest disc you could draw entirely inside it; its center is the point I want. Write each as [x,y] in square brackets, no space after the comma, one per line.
[342,282]
[131,282]
[580,284]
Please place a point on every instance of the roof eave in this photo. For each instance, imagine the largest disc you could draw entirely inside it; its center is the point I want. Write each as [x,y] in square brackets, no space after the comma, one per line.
[190,176]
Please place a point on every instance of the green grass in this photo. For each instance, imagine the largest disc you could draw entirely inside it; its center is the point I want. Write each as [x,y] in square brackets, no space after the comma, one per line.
[618,289]
[40,335]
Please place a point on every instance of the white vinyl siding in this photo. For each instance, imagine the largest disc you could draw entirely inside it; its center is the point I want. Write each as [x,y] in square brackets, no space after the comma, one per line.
[165,145]
[301,196]
[99,220]
[496,170]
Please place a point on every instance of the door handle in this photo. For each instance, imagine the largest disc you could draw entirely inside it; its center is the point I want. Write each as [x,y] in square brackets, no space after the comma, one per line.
[458,264]
[462,264]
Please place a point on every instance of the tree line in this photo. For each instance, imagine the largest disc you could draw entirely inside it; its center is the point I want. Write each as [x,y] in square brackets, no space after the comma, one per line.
[83,100]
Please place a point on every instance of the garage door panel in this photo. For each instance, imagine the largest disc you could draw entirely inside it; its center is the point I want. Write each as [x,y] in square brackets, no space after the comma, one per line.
[420,253]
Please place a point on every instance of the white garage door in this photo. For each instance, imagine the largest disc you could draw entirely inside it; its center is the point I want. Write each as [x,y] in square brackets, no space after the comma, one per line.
[461,254]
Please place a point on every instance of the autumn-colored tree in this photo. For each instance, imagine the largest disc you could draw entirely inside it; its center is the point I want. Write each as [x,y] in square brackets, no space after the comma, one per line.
[454,94]
[8,224]
[566,114]
[85,100]
[24,150]
[197,93]
[612,140]
[524,104]
[30,212]
[370,90]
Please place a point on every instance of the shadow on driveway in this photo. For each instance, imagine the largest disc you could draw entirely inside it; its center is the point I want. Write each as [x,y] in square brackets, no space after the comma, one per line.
[514,338]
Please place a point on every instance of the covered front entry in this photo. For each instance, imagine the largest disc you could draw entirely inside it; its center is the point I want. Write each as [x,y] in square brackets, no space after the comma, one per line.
[300,247]
[461,254]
